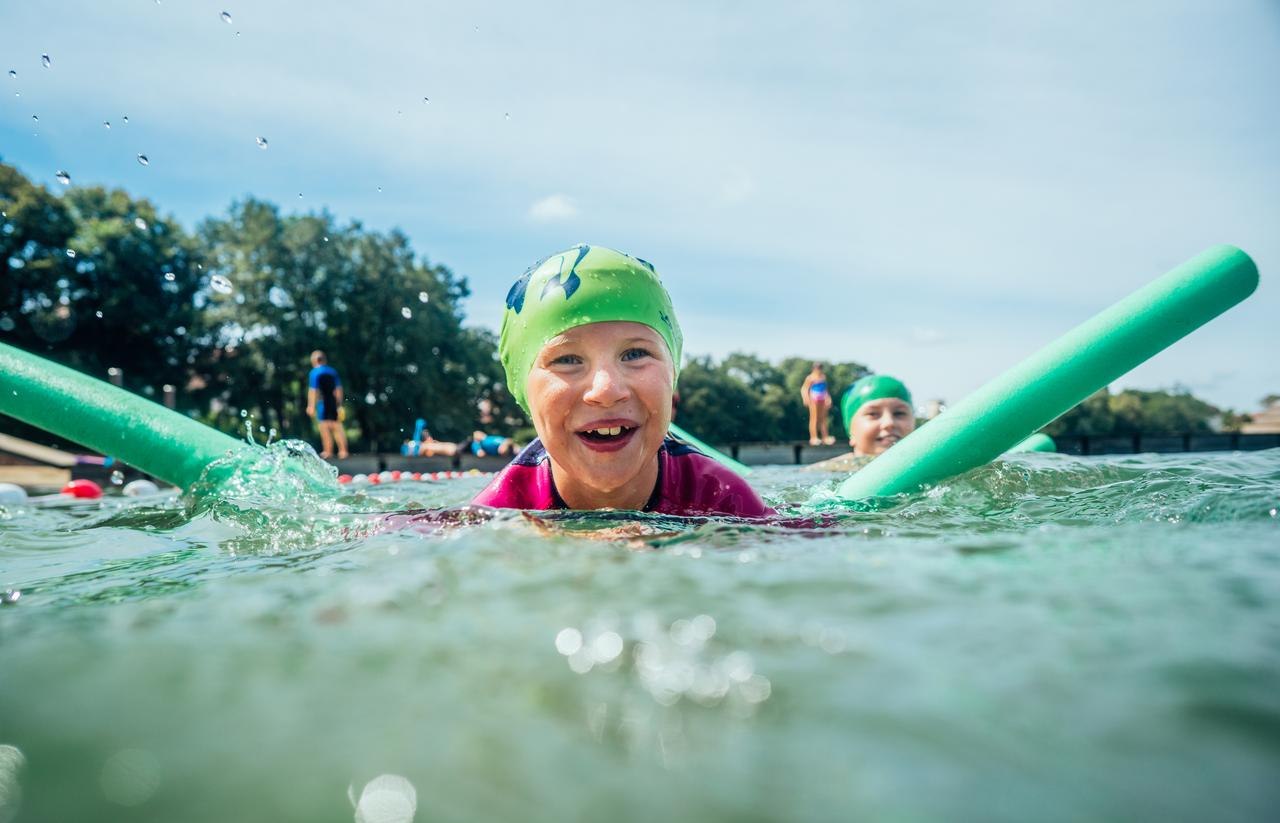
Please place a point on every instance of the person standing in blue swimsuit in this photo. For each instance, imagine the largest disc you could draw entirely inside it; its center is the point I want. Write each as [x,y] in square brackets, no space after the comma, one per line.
[324,403]
[815,395]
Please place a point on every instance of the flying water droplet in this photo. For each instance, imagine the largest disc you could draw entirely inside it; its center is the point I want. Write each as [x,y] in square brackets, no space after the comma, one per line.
[106,124]
[379,189]
[326,239]
[98,314]
[507,115]
[406,313]
[63,178]
[423,297]
[220,284]
[371,398]
[226,17]
[425,99]
[125,119]
[13,75]
[142,160]
[299,195]
[117,478]
[35,118]
[262,143]
[71,253]
[170,276]
[140,224]
[45,61]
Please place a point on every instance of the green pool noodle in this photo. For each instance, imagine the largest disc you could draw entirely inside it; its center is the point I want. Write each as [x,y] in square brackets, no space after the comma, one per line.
[1047,384]
[720,457]
[107,419]
[1038,442]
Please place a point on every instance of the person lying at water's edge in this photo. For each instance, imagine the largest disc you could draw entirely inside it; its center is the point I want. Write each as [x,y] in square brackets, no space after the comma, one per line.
[428,446]
[591,349]
[483,444]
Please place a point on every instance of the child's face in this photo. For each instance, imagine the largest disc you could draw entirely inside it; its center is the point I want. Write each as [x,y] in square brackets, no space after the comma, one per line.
[878,424]
[616,376]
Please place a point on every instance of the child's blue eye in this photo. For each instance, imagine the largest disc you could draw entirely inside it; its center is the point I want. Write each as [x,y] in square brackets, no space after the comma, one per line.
[567,360]
[635,354]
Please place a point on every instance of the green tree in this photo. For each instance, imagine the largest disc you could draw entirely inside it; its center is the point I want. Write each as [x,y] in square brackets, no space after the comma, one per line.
[96,279]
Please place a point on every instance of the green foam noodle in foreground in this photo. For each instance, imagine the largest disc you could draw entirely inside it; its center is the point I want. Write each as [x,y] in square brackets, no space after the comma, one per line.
[95,414]
[718,456]
[1048,383]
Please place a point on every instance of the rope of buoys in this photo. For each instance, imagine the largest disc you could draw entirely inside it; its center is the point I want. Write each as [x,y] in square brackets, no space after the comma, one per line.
[380,478]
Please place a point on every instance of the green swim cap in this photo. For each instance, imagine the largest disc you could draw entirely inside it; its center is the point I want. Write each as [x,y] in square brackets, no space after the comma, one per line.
[584,284]
[871,387]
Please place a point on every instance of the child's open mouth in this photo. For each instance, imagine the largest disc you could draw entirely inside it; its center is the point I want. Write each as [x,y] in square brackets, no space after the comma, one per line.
[607,438]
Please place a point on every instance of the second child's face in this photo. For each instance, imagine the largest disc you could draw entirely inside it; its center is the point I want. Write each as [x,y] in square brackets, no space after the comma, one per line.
[600,398]
[878,424]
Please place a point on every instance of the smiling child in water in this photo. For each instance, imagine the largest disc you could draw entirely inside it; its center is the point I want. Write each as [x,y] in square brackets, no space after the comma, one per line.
[877,414]
[591,350]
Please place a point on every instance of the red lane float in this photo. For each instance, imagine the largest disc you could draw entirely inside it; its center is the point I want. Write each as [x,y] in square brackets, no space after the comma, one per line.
[83,489]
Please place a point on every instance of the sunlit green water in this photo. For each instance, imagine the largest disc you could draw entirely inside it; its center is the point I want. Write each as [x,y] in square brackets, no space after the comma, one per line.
[1050,638]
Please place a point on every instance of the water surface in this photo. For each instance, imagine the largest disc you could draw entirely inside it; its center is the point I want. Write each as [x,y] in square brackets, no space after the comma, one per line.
[1047,638]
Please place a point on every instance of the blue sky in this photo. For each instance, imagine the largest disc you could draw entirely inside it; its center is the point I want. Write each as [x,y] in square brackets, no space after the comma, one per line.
[933,188]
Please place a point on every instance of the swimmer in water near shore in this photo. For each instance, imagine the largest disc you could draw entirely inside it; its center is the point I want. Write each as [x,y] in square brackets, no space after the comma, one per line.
[591,349]
[877,413]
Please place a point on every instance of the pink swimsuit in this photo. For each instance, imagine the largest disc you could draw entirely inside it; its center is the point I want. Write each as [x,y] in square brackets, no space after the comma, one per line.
[689,484]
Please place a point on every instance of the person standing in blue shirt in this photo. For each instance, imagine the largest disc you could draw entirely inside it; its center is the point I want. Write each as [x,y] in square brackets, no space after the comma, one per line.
[324,403]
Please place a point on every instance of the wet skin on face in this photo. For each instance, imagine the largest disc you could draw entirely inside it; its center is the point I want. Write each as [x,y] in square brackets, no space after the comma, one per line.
[878,424]
[600,398]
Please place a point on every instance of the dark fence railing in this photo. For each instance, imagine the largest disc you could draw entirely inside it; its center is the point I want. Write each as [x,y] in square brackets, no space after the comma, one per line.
[801,453]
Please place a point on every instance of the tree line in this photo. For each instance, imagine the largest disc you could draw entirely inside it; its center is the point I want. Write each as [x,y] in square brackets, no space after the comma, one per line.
[226,314]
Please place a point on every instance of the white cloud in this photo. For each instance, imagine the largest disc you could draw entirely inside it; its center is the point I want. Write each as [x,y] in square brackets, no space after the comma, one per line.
[553,208]
[927,337]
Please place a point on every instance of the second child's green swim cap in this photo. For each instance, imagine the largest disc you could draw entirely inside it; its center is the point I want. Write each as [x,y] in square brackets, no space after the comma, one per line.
[871,387]
[584,284]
